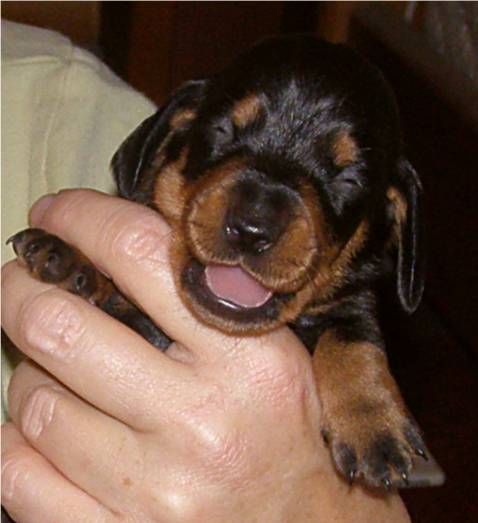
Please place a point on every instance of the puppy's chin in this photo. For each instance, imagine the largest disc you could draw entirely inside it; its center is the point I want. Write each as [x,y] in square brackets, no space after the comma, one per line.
[244,316]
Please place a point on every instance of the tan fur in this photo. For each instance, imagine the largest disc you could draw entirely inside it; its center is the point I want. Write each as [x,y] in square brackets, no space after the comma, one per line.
[169,190]
[208,204]
[344,149]
[331,276]
[328,278]
[359,397]
[182,118]
[289,264]
[245,111]
[399,204]
[400,208]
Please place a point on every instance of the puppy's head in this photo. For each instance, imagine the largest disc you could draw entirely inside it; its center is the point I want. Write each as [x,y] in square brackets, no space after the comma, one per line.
[282,177]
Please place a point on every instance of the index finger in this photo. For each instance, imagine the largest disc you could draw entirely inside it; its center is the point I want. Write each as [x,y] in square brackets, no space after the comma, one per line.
[131,243]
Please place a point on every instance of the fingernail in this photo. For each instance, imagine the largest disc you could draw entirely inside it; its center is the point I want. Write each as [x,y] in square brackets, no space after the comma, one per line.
[39,208]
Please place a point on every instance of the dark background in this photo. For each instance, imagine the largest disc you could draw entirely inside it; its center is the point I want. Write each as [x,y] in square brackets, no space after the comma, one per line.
[156,45]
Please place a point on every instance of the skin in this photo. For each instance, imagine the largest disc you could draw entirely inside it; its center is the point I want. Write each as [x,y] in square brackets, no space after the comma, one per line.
[106,428]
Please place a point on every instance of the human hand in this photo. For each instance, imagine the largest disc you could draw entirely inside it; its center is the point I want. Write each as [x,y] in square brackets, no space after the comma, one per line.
[105,428]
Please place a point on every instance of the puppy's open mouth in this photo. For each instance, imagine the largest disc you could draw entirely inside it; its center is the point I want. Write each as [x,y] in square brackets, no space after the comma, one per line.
[235,286]
[224,293]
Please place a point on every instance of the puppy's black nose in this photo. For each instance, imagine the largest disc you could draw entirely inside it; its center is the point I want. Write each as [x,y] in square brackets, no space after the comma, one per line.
[258,215]
[248,234]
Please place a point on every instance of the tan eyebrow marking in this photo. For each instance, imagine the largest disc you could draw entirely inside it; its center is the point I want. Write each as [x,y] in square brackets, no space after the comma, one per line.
[245,111]
[344,149]
[181,118]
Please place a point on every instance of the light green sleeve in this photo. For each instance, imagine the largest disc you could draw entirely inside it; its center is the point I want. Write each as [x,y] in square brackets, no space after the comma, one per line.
[64,114]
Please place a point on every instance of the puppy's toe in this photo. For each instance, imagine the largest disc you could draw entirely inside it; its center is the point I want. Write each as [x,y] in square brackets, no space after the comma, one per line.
[377,450]
[51,260]
[386,461]
[47,257]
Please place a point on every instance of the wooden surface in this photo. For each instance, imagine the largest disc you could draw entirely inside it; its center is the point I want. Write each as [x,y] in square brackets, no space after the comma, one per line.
[78,20]
[176,41]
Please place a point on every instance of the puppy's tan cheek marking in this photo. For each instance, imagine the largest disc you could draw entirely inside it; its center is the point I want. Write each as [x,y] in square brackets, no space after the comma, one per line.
[344,149]
[285,267]
[333,272]
[205,222]
[245,111]
[207,205]
[179,257]
[330,276]
[320,227]
[288,265]
[170,188]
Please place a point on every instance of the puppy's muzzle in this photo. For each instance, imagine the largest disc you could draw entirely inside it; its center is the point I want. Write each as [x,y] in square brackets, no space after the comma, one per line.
[256,219]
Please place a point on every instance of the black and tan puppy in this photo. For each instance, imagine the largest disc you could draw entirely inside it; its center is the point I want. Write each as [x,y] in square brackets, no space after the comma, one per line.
[284,181]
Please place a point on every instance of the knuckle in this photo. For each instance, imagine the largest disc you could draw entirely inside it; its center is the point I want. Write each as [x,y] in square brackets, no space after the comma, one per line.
[52,323]
[186,507]
[277,378]
[38,410]
[178,503]
[139,237]
[220,447]
[224,453]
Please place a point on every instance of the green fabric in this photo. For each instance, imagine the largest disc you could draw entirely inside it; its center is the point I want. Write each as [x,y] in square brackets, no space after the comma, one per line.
[63,116]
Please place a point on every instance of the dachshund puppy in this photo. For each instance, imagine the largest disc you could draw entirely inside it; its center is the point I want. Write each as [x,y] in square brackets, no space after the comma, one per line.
[284,181]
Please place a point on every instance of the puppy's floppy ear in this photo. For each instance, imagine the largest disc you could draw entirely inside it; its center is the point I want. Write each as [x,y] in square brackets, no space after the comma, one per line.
[136,154]
[405,199]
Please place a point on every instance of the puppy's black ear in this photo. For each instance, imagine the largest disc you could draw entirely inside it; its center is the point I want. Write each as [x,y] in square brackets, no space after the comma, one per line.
[136,154]
[405,198]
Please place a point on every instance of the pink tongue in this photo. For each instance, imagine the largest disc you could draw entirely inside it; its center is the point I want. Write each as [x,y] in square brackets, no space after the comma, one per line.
[235,285]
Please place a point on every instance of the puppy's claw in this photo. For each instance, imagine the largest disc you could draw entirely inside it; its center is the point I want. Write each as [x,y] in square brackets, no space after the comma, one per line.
[352,475]
[422,454]
[15,239]
[387,484]
[20,240]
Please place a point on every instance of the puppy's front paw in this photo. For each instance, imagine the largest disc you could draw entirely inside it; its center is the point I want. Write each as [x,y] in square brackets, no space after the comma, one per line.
[373,443]
[51,260]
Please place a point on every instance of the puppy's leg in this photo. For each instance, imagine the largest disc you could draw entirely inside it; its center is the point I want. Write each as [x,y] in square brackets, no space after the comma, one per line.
[371,436]
[50,259]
